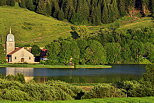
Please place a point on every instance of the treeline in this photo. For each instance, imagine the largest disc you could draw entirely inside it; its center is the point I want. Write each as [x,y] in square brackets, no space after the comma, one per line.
[108,46]
[7,2]
[89,11]
[92,12]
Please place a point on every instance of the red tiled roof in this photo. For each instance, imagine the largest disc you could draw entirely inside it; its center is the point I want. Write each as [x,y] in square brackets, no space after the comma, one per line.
[44,49]
[17,49]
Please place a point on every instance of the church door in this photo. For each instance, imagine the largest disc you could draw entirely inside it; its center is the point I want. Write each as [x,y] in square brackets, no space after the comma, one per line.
[22,60]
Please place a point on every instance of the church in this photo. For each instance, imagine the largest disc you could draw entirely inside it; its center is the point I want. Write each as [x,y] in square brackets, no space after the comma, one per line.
[17,54]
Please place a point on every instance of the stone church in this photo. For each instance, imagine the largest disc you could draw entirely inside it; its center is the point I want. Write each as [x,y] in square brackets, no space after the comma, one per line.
[17,54]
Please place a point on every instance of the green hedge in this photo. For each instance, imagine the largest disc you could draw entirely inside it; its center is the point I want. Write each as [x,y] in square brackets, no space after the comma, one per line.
[52,90]
[104,91]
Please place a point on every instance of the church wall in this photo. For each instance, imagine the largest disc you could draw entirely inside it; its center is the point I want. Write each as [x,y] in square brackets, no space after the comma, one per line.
[22,56]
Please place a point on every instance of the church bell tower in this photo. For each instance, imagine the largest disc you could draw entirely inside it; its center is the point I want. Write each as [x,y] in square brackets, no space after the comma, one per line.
[10,43]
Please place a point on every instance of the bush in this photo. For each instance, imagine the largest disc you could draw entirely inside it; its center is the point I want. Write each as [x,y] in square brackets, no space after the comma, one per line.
[103,91]
[128,86]
[14,95]
[46,92]
[69,89]
[5,84]
[18,77]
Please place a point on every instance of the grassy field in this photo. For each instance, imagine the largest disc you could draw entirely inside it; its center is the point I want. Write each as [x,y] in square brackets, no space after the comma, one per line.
[106,100]
[54,66]
[30,27]
[138,23]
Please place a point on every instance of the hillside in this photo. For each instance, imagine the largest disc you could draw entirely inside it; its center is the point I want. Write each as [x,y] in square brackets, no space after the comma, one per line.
[31,28]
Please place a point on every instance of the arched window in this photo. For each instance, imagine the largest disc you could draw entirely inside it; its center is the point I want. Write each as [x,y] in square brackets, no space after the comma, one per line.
[15,58]
[29,58]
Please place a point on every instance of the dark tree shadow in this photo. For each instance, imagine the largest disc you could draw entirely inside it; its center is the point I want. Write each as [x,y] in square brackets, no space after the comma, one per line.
[74,35]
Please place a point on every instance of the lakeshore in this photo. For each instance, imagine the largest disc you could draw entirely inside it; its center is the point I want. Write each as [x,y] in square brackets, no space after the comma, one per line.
[54,66]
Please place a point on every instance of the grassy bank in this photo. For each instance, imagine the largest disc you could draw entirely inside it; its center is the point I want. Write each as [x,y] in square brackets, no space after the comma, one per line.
[106,100]
[54,66]
[36,66]
[93,66]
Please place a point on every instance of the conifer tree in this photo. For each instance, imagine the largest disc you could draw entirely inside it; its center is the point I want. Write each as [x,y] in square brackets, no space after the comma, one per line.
[68,9]
[10,2]
[114,10]
[55,8]
[2,2]
[122,7]
[131,6]
[48,9]
[29,5]
[22,4]
[145,4]
[41,8]
[83,10]
[105,13]
[152,5]
[60,15]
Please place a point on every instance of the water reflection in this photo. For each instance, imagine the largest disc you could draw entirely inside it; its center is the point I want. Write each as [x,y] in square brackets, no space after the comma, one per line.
[28,72]
[117,73]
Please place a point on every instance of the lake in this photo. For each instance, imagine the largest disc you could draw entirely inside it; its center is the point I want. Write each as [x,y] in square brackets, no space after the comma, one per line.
[107,75]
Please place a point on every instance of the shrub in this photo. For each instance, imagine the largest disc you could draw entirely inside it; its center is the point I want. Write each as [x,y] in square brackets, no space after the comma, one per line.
[103,91]
[14,95]
[19,77]
[69,89]
[128,86]
[46,92]
[5,84]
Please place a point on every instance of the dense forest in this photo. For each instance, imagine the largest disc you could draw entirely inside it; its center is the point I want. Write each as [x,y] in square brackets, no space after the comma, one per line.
[92,12]
[108,46]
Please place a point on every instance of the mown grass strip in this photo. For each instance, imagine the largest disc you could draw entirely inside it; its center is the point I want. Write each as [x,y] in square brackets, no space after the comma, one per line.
[105,100]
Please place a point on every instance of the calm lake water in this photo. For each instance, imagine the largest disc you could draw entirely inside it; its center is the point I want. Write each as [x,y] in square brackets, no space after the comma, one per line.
[116,73]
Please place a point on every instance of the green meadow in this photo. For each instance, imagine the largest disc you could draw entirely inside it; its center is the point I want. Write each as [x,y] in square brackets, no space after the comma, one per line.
[106,100]
[31,28]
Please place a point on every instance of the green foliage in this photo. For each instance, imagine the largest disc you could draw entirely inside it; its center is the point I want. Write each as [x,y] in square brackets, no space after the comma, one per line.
[36,50]
[5,84]
[52,90]
[113,51]
[95,53]
[2,55]
[91,11]
[148,76]
[142,88]
[14,95]
[104,91]
[10,2]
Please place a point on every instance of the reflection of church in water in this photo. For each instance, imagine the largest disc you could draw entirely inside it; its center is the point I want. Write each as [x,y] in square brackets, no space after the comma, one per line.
[27,72]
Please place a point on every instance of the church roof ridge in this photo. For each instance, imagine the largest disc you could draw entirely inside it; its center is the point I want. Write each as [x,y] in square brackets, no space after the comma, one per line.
[17,49]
